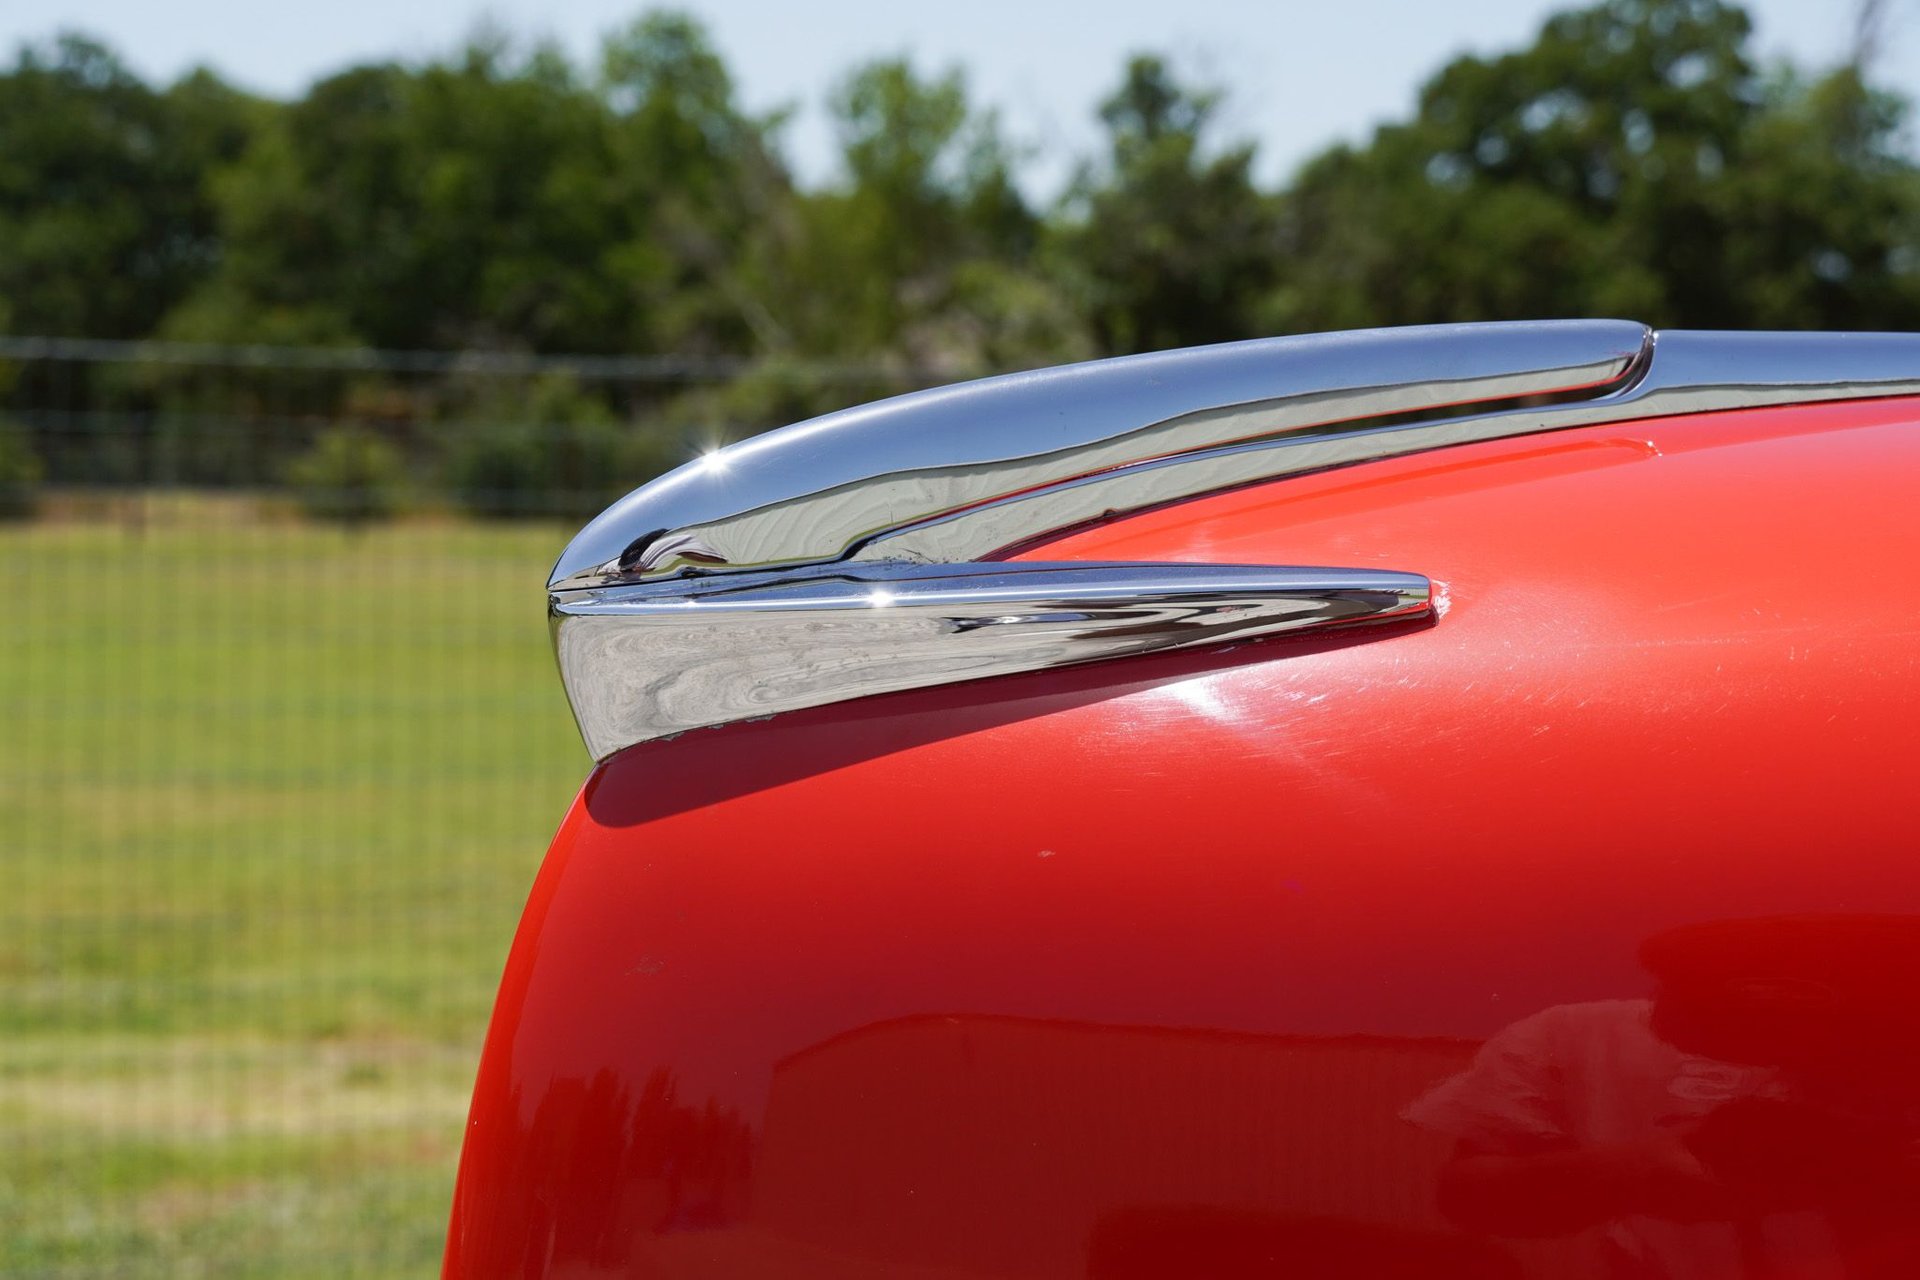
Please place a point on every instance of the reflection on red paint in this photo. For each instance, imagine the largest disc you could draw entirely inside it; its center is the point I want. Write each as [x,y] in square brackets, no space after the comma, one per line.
[1758,1107]
[1575,936]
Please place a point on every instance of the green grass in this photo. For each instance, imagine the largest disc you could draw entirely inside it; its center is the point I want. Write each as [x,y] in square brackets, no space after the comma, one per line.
[270,799]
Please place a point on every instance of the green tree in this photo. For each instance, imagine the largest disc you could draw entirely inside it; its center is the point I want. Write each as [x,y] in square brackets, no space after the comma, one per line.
[1630,161]
[701,189]
[1821,219]
[1166,240]
[503,199]
[922,252]
[106,218]
[457,204]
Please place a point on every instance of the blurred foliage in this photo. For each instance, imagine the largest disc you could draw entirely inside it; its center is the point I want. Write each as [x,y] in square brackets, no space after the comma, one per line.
[107,220]
[547,448]
[1166,242]
[21,472]
[349,477]
[1634,160]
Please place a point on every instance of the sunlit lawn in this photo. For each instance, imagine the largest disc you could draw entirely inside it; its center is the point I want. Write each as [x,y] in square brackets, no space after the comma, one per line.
[270,799]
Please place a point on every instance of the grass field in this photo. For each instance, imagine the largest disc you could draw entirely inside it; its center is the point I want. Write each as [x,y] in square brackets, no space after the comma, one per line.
[270,799]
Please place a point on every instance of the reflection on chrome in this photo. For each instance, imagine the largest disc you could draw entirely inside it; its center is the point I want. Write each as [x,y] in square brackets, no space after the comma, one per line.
[960,472]
[960,475]
[641,662]
[955,473]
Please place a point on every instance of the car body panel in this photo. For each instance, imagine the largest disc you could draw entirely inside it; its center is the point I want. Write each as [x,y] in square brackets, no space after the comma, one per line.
[1256,961]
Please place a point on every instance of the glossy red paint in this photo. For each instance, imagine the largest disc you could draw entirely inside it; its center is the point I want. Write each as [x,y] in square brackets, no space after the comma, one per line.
[1575,935]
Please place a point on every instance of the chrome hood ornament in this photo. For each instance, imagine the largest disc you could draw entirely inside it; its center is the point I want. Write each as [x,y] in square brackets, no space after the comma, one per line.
[856,553]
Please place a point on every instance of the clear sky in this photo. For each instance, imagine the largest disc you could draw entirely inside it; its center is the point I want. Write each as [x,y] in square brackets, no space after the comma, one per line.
[1302,73]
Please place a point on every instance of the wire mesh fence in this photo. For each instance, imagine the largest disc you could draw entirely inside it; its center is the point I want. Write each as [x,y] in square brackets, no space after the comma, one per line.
[282,749]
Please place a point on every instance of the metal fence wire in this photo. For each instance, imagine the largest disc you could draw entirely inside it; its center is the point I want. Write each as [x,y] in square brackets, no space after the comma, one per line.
[282,749]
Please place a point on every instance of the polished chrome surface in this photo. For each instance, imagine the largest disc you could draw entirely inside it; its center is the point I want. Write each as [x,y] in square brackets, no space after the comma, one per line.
[641,662]
[957,473]
[1685,372]
[878,480]
[732,587]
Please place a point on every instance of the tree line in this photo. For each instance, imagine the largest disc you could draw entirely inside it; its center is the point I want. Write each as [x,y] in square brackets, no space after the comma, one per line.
[1635,159]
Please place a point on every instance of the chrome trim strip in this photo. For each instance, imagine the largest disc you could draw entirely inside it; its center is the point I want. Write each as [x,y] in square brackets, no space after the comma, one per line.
[642,662]
[813,493]
[743,584]
[1685,372]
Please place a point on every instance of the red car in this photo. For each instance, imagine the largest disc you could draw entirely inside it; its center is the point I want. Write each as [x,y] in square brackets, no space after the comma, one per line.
[1432,802]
